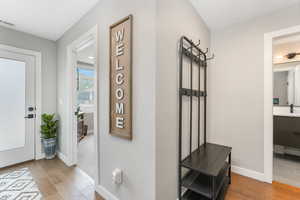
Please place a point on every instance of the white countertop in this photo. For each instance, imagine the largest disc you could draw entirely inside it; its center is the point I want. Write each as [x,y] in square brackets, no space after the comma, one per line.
[285,111]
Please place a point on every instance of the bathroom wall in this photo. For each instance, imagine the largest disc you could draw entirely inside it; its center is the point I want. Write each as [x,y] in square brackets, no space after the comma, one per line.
[280,49]
[297,86]
[280,86]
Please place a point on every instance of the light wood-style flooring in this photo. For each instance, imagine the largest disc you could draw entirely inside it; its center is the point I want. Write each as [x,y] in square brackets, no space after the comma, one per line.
[59,182]
[56,181]
[243,188]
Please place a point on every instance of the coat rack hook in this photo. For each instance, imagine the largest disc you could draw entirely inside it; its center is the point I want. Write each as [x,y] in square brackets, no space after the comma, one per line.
[190,46]
[212,57]
[198,43]
[206,51]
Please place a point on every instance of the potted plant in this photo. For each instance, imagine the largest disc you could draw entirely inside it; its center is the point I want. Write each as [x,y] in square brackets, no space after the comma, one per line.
[49,129]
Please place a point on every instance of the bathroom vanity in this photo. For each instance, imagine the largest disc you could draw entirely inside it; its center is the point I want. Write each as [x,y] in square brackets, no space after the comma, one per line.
[287,131]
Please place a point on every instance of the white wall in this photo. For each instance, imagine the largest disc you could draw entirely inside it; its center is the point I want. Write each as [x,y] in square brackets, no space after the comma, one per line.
[175,18]
[236,78]
[135,157]
[48,50]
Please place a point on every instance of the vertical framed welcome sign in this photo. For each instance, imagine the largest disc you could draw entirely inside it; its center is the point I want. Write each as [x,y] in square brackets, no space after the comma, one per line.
[120,78]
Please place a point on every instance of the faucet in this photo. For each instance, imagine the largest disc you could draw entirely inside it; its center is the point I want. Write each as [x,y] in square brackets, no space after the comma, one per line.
[292,108]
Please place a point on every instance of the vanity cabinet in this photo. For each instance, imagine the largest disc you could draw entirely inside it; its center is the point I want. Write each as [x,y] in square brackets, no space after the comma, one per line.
[287,131]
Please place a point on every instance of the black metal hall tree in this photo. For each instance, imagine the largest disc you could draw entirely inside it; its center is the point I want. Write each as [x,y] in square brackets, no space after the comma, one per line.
[207,166]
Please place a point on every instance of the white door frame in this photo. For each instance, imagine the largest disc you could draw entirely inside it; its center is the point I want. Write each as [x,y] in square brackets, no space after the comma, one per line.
[71,121]
[268,96]
[38,93]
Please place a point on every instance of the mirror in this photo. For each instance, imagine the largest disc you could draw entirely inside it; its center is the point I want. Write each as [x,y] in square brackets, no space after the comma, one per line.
[286,86]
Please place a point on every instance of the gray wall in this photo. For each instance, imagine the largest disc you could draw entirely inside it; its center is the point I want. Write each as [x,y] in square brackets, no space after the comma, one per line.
[48,50]
[136,157]
[175,18]
[236,82]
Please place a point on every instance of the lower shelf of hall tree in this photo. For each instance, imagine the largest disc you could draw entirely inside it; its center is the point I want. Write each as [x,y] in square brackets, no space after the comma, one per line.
[190,195]
[202,184]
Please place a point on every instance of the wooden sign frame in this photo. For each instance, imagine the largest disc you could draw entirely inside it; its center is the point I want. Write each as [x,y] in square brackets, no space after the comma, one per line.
[120,95]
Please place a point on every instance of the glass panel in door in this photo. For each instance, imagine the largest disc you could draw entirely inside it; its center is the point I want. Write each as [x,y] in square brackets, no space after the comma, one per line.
[12,104]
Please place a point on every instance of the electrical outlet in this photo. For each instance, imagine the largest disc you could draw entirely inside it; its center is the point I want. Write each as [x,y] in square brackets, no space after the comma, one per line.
[117,176]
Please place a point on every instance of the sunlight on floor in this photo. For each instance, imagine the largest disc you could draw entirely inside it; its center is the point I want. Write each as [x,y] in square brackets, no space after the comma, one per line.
[86,155]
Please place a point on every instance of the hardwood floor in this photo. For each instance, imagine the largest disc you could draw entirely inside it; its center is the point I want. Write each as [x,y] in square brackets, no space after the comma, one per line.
[56,181]
[243,188]
[59,182]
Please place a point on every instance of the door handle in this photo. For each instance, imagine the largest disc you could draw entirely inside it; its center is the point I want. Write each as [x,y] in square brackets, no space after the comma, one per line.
[30,116]
[31,109]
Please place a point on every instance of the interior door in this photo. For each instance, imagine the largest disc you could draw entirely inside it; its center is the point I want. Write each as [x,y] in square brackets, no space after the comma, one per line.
[17,108]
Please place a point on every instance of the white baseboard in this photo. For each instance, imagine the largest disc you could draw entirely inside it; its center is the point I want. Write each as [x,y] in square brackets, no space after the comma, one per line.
[249,173]
[64,158]
[40,156]
[105,193]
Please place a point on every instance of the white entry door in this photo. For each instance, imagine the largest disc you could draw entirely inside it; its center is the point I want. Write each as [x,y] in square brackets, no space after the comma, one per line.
[17,108]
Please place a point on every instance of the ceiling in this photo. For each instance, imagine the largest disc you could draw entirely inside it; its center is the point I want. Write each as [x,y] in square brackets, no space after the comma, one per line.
[219,14]
[48,19]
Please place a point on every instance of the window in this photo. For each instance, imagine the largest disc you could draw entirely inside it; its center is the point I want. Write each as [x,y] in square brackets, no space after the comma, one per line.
[85,86]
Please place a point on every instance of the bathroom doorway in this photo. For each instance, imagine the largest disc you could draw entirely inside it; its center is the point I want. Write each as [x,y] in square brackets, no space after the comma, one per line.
[270,101]
[286,109]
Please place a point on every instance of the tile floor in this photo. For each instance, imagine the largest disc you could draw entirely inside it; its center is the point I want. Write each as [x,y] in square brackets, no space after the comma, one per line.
[286,169]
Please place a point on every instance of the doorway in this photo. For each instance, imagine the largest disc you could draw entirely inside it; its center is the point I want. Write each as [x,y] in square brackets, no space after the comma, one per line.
[85,102]
[272,108]
[83,113]
[286,112]
[20,104]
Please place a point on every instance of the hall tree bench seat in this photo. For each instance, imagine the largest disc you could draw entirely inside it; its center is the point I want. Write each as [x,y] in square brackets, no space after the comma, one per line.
[209,172]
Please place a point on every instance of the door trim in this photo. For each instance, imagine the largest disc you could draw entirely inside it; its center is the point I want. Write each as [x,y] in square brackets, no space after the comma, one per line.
[268,96]
[38,152]
[71,157]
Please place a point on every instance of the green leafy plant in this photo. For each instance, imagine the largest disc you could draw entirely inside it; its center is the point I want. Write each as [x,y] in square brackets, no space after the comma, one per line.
[49,126]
